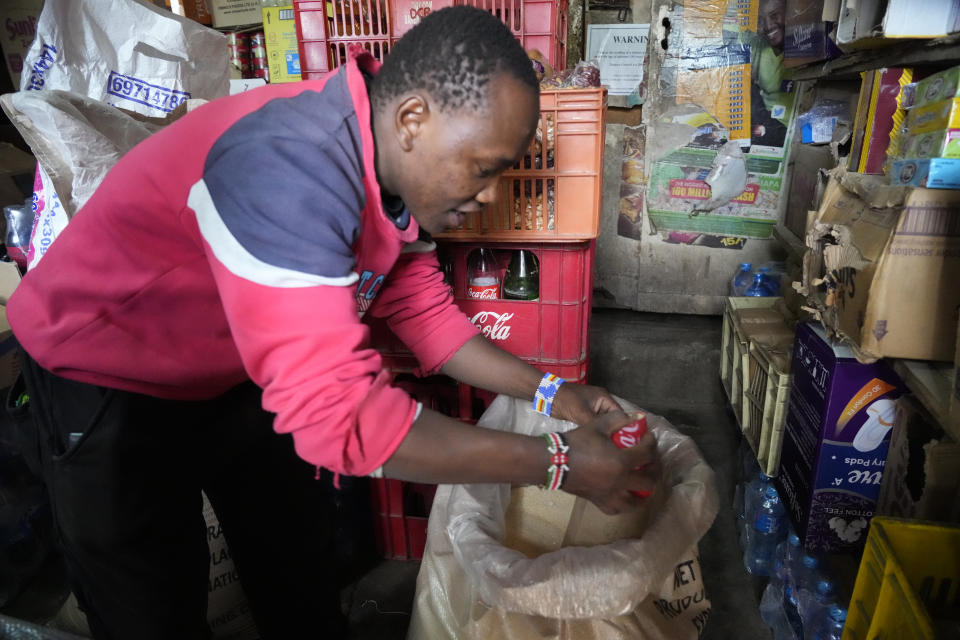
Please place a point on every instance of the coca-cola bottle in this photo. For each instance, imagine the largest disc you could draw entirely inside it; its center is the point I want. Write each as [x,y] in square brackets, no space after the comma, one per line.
[483,275]
[522,279]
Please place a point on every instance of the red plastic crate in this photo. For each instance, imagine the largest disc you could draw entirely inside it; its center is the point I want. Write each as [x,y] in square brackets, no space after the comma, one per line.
[325,29]
[554,193]
[468,402]
[553,329]
[401,510]
[537,24]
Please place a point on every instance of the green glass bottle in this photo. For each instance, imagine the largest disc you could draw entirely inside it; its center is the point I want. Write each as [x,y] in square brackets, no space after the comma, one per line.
[522,279]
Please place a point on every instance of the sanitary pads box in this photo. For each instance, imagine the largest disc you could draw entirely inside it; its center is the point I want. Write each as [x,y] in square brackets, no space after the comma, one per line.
[835,441]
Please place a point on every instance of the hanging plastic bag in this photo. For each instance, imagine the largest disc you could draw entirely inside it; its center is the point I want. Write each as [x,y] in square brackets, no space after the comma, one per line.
[473,587]
[126,53]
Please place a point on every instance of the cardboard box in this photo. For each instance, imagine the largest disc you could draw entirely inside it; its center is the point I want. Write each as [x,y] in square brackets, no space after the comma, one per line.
[193,9]
[283,56]
[937,115]
[922,473]
[19,18]
[867,23]
[808,37]
[944,85]
[233,13]
[932,173]
[879,116]
[943,143]
[883,267]
[835,441]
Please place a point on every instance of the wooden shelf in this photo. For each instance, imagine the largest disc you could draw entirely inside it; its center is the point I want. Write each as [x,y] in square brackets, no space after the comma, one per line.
[932,384]
[937,51]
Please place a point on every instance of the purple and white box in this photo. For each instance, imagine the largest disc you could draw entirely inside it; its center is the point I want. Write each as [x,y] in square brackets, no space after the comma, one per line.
[835,441]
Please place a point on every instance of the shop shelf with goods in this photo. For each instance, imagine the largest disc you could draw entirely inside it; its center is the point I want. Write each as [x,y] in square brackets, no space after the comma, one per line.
[326,28]
[908,584]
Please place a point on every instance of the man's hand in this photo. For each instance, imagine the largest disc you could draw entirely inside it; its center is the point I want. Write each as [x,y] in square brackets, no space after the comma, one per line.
[602,472]
[580,403]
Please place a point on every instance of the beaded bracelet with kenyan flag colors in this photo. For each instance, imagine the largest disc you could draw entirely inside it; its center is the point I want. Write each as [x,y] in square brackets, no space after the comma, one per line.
[557,471]
[546,392]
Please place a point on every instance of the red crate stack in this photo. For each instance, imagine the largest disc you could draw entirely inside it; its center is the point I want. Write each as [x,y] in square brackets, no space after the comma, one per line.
[325,28]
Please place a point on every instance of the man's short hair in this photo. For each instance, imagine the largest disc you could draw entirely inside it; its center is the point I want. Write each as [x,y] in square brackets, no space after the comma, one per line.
[453,53]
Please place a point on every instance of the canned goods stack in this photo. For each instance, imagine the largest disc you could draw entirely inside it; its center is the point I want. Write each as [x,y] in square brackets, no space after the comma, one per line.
[258,56]
[248,53]
[239,44]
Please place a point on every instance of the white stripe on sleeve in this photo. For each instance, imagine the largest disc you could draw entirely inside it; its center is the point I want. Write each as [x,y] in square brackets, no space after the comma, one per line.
[241,262]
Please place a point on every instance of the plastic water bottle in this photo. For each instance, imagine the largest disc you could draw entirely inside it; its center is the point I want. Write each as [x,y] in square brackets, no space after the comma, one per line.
[770,280]
[808,573]
[758,288]
[791,607]
[752,495]
[741,280]
[818,607]
[790,551]
[831,628]
[767,531]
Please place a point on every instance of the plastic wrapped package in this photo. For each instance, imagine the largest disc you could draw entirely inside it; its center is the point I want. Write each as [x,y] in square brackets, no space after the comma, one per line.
[586,74]
[472,586]
[533,212]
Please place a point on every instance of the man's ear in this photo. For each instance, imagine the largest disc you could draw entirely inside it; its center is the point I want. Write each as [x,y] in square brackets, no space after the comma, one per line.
[412,114]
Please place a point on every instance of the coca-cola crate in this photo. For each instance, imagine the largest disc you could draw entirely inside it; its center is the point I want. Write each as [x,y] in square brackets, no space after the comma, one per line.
[325,28]
[400,513]
[553,329]
[554,193]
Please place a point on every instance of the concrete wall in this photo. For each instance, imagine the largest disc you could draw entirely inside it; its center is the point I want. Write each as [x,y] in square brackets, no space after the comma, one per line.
[652,275]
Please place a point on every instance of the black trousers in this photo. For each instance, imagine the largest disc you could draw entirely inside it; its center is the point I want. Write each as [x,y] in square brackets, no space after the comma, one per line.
[125,472]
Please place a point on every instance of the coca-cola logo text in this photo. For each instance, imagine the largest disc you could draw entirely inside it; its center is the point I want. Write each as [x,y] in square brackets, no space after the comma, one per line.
[484,292]
[499,330]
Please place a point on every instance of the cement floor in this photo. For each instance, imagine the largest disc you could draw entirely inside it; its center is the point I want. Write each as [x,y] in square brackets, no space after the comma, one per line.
[667,364]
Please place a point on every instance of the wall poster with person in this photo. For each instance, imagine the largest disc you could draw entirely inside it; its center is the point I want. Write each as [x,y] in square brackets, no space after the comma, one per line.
[722,73]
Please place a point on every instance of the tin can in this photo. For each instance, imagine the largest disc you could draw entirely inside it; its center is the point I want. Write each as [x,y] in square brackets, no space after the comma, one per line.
[258,45]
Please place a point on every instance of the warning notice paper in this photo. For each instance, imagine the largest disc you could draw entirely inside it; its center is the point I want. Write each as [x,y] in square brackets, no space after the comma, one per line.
[619,50]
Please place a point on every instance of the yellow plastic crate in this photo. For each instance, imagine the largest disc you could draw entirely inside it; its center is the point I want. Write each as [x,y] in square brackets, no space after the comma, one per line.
[735,351]
[765,402]
[908,584]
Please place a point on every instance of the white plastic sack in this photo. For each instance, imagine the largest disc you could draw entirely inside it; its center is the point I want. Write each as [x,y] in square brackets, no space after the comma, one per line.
[76,141]
[472,587]
[127,53]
